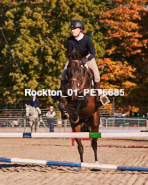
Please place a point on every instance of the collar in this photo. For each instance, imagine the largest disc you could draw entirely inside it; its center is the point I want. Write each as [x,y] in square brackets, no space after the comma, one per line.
[79,38]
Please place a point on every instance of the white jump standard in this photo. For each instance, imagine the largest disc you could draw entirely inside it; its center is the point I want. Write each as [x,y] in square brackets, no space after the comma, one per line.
[79,165]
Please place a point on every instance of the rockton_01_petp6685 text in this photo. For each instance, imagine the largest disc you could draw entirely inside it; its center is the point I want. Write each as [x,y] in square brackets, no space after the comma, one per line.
[71,92]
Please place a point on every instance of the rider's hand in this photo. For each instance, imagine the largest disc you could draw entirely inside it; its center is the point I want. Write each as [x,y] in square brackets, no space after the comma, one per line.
[84,60]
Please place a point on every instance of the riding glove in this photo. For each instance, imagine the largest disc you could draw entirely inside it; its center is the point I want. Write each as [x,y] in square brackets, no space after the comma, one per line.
[84,60]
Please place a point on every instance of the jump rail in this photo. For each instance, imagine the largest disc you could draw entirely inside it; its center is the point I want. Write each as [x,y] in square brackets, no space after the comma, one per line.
[51,135]
[69,164]
[74,135]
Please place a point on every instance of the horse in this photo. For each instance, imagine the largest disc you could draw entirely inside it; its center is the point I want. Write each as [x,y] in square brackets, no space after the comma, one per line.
[33,116]
[81,109]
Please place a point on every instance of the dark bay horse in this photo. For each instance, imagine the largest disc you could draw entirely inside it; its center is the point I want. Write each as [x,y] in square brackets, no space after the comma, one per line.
[81,109]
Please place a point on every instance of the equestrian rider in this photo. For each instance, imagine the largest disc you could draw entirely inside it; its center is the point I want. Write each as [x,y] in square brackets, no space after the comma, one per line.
[83,43]
[34,102]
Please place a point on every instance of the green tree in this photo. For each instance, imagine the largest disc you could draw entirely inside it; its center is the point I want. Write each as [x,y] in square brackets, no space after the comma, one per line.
[37,32]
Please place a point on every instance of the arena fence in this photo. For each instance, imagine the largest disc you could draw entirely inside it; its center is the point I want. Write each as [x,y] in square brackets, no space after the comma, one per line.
[104,122]
[125,122]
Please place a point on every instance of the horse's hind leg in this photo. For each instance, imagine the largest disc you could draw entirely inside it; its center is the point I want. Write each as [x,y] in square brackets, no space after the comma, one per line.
[78,140]
[94,146]
[94,142]
[35,126]
[80,148]
[31,125]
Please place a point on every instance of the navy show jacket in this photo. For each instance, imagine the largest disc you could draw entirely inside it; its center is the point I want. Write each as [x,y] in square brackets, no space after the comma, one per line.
[34,103]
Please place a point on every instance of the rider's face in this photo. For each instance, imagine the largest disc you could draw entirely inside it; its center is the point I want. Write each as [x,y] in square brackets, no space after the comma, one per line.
[76,32]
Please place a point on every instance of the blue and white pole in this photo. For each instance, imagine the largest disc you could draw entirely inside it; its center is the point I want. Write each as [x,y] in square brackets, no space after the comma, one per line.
[79,165]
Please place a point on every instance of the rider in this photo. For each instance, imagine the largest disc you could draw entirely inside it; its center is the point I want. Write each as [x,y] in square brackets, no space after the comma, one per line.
[34,102]
[83,43]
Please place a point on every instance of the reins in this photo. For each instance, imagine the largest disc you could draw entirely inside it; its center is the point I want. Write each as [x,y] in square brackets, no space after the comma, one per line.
[81,79]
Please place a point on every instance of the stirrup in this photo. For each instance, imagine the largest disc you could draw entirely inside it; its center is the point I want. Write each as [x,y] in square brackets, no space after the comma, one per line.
[64,115]
[104,99]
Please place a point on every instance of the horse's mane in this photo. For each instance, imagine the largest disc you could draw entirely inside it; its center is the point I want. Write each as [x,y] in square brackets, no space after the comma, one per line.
[75,55]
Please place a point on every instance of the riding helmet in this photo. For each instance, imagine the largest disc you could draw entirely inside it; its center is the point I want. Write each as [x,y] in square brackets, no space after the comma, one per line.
[77,24]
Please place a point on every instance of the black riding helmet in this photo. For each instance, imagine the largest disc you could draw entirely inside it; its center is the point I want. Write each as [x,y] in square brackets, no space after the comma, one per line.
[77,24]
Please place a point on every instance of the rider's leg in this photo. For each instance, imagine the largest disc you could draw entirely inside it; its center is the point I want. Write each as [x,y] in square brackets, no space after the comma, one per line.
[39,111]
[92,65]
[97,86]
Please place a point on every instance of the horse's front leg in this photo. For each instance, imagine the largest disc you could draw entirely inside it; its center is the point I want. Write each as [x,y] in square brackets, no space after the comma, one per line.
[31,125]
[35,122]
[75,117]
[61,107]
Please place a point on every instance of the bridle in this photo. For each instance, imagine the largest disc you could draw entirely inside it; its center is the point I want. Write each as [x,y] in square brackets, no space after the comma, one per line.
[75,79]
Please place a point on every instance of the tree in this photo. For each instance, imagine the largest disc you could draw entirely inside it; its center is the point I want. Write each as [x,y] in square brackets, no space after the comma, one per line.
[37,32]
[125,32]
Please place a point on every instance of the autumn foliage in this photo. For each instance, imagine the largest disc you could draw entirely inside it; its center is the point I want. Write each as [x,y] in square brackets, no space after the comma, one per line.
[126,35]
[37,32]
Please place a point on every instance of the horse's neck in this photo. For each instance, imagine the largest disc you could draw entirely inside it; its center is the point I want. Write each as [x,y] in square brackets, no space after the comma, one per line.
[33,110]
[88,76]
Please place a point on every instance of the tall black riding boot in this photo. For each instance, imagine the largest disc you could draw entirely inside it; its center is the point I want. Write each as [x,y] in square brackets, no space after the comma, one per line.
[98,102]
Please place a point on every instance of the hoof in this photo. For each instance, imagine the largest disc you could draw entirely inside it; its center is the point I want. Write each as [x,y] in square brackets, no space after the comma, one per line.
[73,121]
